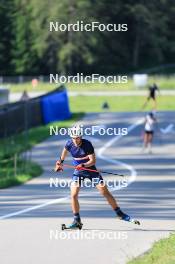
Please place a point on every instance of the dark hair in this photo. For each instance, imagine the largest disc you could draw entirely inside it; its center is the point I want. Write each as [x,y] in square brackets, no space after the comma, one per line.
[151,114]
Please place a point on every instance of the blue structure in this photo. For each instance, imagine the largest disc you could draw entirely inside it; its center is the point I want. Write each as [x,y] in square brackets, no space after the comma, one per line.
[55,106]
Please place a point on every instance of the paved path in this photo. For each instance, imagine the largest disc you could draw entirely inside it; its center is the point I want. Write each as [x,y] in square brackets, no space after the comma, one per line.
[31,214]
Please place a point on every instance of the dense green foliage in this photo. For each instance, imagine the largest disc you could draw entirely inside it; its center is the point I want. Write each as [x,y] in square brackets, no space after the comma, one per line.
[28,47]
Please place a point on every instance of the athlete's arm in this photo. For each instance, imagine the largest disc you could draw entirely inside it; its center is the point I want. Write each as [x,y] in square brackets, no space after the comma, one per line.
[58,166]
[91,161]
[63,154]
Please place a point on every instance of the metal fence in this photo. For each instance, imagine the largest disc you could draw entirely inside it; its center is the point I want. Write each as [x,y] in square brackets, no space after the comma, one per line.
[15,118]
[19,116]
[22,115]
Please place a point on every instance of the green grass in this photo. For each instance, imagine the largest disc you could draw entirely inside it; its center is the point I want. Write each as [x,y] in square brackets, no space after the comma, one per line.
[16,145]
[163,252]
[163,82]
[26,171]
[118,103]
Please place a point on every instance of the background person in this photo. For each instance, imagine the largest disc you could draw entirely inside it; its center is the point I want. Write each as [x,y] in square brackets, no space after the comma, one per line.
[152,96]
[149,131]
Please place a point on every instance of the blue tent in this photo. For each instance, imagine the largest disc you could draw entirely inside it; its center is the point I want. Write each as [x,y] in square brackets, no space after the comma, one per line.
[55,106]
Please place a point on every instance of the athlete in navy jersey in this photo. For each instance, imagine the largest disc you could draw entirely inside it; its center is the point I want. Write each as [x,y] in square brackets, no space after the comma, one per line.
[80,153]
[83,155]
[80,156]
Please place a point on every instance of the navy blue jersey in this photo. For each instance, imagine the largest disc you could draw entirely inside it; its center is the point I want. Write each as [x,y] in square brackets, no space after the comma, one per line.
[80,153]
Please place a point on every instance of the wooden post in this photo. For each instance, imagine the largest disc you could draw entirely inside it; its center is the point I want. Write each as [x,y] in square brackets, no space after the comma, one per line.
[15,164]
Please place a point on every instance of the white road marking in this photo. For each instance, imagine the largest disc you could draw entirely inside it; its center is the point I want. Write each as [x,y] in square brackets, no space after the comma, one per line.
[117,162]
[59,200]
[100,152]
[93,139]
[168,129]
[98,127]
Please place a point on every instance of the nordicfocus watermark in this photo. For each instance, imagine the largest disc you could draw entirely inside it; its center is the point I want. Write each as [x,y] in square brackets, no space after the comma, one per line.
[88,27]
[55,182]
[88,235]
[90,131]
[80,78]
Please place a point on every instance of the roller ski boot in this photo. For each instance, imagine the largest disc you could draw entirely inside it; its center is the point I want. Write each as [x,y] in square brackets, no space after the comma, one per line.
[125,217]
[74,225]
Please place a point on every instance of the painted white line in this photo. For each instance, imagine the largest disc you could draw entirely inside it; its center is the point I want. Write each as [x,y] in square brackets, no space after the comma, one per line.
[117,162]
[93,139]
[101,150]
[168,129]
[59,200]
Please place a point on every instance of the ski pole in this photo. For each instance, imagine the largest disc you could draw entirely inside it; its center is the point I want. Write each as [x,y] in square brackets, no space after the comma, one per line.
[87,169]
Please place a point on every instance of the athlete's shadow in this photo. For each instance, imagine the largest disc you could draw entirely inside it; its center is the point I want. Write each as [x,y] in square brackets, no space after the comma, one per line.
[129,230]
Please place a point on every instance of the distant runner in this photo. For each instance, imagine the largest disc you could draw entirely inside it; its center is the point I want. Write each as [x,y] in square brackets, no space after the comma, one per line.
[149,131]
[83,155]
[152,96]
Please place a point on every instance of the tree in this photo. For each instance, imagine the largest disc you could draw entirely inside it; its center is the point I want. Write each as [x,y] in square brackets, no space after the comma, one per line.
[6,36]
[24,54]
[28,47]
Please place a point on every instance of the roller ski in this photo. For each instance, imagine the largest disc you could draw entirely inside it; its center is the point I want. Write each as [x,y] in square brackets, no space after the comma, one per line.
[75,225]
[125,217]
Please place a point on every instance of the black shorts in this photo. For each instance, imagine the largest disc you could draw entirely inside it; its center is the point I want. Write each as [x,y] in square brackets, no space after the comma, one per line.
[80,175]
[152,97]
[149,132]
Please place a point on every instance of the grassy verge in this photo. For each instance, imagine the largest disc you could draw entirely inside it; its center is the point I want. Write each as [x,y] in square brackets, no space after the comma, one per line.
[26,171]
[118,103]
[15,145]
[163,82]
[163,252]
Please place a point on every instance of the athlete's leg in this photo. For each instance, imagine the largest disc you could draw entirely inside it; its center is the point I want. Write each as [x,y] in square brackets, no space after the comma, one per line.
[146,102]
[74,188]
[74,198]
[145,140]
[150,139]
[75,205]
[154,103]
[105,192]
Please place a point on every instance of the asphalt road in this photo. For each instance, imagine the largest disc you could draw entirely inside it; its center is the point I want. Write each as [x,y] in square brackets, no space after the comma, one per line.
[31,215]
